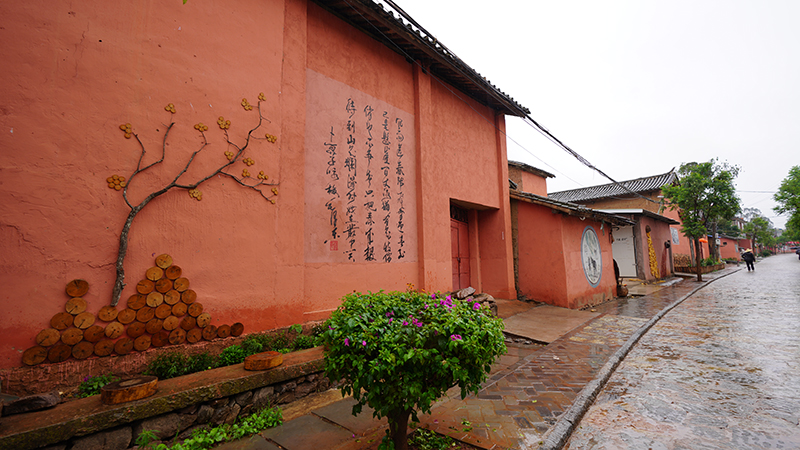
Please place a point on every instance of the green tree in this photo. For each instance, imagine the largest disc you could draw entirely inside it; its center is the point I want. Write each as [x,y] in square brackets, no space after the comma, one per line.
[761,231]
[788,198]
[400,351]
[704,195]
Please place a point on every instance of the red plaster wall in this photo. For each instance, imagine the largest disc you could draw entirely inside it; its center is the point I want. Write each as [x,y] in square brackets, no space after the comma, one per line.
[528,182]
[550,264]
[729,250]
[542,269]
[74,71]
[579,292]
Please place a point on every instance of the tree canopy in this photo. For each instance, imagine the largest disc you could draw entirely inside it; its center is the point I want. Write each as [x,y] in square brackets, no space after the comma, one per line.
[704,195]
[788,198]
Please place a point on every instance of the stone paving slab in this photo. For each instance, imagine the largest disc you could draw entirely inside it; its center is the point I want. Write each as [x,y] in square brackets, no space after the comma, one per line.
[718,372]
[307,432]
[547,323]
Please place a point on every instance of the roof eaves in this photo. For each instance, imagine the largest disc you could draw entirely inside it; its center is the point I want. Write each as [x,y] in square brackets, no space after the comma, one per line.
[409,39]
[571,209]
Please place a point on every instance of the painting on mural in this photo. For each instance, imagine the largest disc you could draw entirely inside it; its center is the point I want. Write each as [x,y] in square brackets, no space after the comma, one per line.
[360,203]
[591,256]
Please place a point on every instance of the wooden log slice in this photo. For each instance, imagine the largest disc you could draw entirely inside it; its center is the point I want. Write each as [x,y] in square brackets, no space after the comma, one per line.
[84,320]
[128,390]
[62,321]
[59,353]
[82,350]
[210,332]
[177,336]
[203,319]
[137,301]
[163,311]
[107,314]
[72,336]
[75,306]
[172,296]
[154,325]
[142,343]
[114,330]
[123,346]
[104,347]
[160,339]
[136,329]
[171,322]
[188,296]
[263,361]
[77,288]
[163,261]
[181,284]
[188,322]
[179,309]
[34,355]
[145,314]
[237,329]
[154,273]
[93,334]
[173,272]
[126,316]
[154,299]
[163,285]
[224,331]
[145,287]
[195,309]
[194,335]
[48,337]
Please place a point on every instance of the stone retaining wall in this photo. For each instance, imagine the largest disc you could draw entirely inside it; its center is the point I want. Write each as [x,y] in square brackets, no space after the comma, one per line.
[180,406]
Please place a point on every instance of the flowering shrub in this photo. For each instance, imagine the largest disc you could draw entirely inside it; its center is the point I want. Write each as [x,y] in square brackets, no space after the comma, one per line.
[398,352]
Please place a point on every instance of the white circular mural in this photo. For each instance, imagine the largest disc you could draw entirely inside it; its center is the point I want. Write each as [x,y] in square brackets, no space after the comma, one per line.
[591,256]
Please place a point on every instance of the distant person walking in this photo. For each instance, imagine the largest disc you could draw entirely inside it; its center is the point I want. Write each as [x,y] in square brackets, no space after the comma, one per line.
[749,258]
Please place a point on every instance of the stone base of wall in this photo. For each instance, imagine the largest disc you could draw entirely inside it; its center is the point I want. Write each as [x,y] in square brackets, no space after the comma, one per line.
[180,406]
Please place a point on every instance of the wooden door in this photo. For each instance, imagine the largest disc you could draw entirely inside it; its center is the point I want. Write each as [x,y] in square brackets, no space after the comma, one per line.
[459,242]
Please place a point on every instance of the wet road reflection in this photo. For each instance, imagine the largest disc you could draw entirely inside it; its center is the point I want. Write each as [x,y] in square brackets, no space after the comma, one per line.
[720,371]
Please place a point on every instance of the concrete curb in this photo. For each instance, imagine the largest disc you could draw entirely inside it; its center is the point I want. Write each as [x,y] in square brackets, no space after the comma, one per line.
[557,436]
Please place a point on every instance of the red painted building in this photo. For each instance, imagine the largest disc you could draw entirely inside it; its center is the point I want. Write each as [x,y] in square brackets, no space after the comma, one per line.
[357,119]
[562,251]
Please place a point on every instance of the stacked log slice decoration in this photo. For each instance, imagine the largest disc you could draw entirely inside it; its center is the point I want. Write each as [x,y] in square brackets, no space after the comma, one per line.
[94,333]
[104,347]
[194,335]
[263,361]
[163,311]
[107,314]
[48,337]
[128,390]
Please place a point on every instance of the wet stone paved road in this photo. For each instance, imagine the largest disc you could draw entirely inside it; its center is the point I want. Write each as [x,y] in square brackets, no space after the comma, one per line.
[720,371]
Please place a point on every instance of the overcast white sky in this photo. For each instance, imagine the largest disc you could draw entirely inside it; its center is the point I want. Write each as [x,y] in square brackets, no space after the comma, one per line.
[639,87]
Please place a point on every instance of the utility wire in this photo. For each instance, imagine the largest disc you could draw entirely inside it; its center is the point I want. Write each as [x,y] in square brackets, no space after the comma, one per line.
[530,121]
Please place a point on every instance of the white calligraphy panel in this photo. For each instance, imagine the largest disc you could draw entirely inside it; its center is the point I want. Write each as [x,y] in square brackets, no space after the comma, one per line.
[360,176]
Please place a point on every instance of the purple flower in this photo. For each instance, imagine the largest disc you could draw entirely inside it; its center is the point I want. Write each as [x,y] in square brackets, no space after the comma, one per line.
[405,322]
[390,313]
[476,306]
[455,337]
[364,343]
[426,306]
[390,320]
[346,342]
[433,296]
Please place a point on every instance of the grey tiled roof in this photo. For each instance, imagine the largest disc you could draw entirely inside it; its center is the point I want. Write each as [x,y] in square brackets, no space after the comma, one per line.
[571,209]
[638,185]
